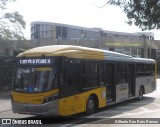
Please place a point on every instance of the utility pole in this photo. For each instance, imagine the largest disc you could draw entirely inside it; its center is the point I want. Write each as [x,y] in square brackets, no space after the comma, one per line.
[37,31]
[144,46]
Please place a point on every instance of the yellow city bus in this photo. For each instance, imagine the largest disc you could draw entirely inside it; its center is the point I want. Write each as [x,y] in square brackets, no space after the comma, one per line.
[66,80]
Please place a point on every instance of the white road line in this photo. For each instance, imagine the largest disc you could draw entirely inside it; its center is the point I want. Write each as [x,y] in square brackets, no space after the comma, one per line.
[157,104]
[127,107]
[144,109]
[137,103]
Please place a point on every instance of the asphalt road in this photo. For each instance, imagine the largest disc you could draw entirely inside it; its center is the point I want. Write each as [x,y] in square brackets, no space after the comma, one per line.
[132,110]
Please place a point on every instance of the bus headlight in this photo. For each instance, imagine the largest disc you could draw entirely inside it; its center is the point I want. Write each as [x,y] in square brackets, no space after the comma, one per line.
[50,98]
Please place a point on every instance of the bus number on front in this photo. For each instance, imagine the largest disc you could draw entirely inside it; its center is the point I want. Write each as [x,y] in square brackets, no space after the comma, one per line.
[37,100]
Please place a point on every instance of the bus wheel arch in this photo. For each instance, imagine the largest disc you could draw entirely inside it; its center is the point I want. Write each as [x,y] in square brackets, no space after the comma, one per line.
[141,92]
[92,104]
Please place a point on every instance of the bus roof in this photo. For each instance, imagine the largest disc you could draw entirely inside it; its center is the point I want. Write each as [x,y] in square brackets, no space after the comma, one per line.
[53,50]
[71,50]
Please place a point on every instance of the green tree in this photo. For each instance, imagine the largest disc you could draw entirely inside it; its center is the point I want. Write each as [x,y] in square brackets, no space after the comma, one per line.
[143,13]
[11,24]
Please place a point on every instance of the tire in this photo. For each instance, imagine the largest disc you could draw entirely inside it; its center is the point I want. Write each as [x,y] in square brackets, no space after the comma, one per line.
[140,97]
[91,105]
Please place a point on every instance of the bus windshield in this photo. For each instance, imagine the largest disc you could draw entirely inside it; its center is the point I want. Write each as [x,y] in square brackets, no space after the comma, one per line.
[32,80]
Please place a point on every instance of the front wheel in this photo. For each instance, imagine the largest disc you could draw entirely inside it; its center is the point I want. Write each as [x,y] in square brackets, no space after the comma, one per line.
[90,106]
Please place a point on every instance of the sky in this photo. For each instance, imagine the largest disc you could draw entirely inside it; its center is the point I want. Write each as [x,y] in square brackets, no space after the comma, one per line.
[84,13]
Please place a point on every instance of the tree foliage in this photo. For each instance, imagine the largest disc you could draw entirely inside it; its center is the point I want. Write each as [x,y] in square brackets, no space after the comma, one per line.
[11,24]
[143,13]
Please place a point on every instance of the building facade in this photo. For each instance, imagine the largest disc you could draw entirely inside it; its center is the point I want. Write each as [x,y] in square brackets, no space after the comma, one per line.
[48,30]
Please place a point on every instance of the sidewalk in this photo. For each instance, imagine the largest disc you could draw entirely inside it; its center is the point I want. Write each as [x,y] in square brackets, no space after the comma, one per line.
[5,101]
[5,94]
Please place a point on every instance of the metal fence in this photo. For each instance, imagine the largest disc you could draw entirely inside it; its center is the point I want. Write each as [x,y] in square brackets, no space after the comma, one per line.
[6,72]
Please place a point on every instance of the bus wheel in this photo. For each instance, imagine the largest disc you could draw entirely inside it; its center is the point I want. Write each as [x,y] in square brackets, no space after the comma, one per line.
[91,105]
[140,93]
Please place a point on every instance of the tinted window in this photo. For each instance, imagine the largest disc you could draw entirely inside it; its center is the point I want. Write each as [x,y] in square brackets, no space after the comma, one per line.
[121,72]
[70,77]
[90,74]
[145,69]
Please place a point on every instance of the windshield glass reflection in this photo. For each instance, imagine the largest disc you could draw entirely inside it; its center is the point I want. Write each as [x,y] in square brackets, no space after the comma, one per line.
[35,79]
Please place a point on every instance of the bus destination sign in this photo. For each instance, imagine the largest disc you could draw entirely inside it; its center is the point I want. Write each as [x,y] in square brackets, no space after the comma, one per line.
[36,61]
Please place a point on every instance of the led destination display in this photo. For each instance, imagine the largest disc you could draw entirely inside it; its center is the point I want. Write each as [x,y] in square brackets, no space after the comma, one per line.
[35,61]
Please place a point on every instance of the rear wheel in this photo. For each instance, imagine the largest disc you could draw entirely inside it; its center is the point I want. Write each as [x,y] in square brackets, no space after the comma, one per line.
[140,93]
[91,105]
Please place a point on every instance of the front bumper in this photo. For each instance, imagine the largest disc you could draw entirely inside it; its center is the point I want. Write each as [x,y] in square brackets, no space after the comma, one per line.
[50,108]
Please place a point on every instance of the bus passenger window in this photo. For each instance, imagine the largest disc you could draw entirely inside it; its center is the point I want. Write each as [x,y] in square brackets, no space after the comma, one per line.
[140,69]
[73,72]
[121,72]
[90,74]
[121,78]
[72,77]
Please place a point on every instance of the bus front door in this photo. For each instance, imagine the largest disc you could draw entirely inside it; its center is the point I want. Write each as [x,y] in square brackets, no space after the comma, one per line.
[110,82]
